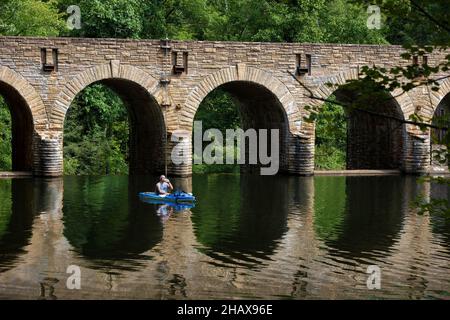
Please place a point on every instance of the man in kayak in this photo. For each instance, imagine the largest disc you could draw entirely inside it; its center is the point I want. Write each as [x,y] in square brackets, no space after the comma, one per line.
[163,187]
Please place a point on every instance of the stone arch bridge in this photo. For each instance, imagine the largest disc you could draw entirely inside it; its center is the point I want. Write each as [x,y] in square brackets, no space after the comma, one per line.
[164,82]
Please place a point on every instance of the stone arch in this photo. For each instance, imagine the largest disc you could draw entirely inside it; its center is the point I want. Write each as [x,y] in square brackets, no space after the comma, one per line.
[138,89]
[372,142]
[323,91]
[240,73]
[28,115]
[27,92]
[264,103]
[113,70]
[438,96]
[439,106]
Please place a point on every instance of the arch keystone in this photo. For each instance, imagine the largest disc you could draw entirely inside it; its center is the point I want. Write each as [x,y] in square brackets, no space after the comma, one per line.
[241,70]
[115,68]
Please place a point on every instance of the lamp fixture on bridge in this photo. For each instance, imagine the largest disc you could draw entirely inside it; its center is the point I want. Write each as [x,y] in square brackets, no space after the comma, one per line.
[179,62]
[301,71]
[179,67]
[49,65]
[415,62]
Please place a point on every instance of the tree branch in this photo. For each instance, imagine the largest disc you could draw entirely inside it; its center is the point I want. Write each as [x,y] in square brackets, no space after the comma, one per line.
[427,15]
[373,113]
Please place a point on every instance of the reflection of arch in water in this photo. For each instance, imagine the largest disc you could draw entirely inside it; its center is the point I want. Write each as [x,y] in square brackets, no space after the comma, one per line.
[441,224]
[104,220]
[373,217]
[16,219]
[240,219]
[329,206]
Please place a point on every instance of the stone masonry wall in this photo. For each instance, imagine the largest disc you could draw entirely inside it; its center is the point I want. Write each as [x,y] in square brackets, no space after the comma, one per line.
[147,65]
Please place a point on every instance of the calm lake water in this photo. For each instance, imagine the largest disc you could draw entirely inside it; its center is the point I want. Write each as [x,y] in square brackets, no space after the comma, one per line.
[247,237]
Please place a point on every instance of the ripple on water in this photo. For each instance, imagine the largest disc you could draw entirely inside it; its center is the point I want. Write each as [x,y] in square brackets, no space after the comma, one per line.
[246,238]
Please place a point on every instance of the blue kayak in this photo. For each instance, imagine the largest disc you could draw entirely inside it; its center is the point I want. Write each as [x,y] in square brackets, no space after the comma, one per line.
[176,197]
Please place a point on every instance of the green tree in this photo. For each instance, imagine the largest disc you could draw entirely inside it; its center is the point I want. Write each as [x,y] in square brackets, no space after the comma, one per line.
[30,18]
[331,137]
[108,19]
[5,136]
[96,133]
[218,111]
[291,21]
[415,22]
[338,28]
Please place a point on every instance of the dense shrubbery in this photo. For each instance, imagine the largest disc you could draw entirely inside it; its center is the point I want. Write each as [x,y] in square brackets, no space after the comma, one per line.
[96,133]
[5,136]
[331,137]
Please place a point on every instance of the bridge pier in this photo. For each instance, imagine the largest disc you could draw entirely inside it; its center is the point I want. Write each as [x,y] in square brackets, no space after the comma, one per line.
[179,154]
[417,153]
[297,160]
[47,156]
[300,157]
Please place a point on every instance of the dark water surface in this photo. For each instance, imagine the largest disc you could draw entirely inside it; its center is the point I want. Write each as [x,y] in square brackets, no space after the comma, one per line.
[247,237]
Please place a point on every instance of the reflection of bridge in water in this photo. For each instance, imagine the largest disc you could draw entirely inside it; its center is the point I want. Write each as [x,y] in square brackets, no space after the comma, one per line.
[304,254]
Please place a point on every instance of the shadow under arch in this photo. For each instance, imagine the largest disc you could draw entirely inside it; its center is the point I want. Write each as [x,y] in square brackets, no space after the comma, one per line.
[106,223]
[17,212]
[238,219]
[372,216]
[440,119]
[137,89]
[440,225]
[437,97]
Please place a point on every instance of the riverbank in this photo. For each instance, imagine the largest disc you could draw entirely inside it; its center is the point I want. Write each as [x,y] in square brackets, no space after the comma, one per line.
[356,172]
[202,170]
[15,174]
